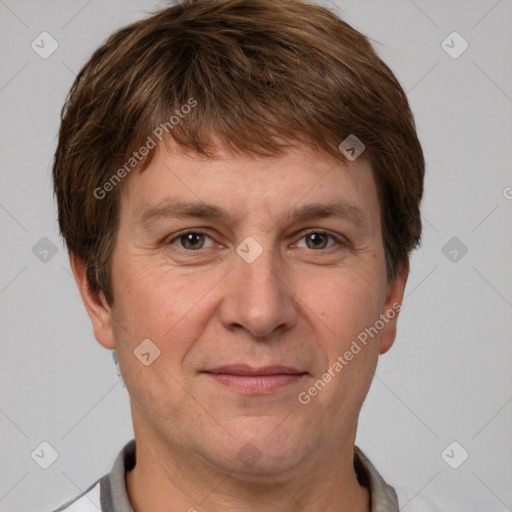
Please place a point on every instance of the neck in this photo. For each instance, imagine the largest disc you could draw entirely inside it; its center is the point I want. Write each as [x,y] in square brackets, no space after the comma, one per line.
[165,476]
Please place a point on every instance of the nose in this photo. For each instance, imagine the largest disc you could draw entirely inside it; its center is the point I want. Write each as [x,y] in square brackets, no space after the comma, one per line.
[257,298]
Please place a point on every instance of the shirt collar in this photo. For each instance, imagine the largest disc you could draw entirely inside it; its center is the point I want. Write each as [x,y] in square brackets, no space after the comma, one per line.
[114,496]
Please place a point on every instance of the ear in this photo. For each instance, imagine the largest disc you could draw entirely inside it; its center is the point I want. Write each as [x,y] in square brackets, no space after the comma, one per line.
[95,303]
[392,306]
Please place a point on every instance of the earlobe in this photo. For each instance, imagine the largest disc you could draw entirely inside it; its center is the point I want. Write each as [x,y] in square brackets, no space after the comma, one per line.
[392,307]
[95,303]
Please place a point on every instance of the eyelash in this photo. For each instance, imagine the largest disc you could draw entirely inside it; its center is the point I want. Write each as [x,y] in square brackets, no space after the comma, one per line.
[308,232]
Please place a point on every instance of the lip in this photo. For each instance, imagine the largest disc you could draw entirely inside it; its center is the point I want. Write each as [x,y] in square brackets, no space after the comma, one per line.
[260,380]
[246,370]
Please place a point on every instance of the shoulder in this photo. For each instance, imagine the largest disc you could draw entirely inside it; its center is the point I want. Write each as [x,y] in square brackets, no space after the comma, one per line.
[411,501]
[88,501]
[109,492]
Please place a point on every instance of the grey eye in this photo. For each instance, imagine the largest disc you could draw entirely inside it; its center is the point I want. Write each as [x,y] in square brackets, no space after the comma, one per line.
[192,241]
[317,240]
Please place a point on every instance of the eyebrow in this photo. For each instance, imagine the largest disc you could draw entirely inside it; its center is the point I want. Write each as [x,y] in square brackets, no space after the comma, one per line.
[169,208]
[336,209]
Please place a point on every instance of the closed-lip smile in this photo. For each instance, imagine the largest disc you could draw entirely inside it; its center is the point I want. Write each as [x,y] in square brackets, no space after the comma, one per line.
[255,380]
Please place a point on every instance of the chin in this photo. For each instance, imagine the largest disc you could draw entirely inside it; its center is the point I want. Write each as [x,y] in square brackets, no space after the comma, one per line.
[260,446]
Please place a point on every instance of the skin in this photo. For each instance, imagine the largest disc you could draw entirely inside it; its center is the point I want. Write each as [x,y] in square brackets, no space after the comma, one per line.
[296,304]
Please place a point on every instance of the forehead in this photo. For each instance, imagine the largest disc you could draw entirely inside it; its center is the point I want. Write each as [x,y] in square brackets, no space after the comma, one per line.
[233,186]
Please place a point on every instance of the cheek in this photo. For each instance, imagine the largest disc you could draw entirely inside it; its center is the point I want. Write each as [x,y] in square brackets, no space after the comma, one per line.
[155,301]
[347,306]
[345,301]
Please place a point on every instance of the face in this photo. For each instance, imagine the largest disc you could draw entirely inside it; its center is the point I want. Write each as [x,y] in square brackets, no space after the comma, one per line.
[252,278]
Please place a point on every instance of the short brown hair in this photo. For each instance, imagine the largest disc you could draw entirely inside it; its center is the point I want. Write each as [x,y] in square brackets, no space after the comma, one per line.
[260,72]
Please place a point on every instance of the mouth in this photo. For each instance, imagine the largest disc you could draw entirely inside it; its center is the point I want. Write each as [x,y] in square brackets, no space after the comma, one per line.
[250,380]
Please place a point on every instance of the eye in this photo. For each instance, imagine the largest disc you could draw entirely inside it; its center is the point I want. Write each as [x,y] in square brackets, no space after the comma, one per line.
[318,240]
[192,240]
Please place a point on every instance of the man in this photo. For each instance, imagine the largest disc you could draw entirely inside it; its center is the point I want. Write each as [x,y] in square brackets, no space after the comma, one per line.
[238,185]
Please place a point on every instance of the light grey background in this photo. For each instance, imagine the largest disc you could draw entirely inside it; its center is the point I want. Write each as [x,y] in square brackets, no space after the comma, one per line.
[448,376]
